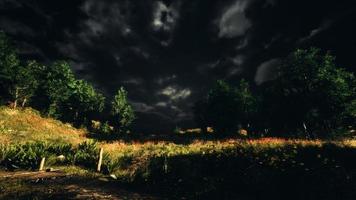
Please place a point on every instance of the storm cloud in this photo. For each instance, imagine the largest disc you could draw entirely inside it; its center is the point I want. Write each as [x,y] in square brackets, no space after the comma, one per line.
[168,53]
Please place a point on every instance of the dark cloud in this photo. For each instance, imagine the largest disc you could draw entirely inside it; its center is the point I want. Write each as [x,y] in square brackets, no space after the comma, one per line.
[267,71]
[233,21]
[168,53]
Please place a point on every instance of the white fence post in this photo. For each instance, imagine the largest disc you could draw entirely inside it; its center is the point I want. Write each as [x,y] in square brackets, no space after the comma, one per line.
[100,159]
[42,164]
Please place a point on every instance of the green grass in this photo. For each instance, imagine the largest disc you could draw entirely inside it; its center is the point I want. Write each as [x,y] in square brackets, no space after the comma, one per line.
[316,169]
[21,126]
[197,169]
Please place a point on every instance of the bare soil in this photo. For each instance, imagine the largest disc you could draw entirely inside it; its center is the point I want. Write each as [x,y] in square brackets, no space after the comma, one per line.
[58,185]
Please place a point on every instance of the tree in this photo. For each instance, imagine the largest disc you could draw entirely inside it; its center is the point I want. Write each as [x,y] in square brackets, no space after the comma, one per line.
[57,85]
[200,111]
[83,103]
[18,82]
[310,94]
[24,84]
[221,109]
[226,108]
[8,61]
[121,110]
[247,105]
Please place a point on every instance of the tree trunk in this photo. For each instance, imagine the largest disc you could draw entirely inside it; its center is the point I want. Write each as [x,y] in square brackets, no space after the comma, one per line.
[306,131]
[24,102]
[16,96]
[15,103]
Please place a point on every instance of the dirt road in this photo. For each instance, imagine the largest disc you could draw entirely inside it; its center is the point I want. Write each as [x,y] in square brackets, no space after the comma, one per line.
[58,185]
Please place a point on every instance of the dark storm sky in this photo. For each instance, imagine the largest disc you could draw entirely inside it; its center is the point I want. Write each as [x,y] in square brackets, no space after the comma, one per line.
[168,53]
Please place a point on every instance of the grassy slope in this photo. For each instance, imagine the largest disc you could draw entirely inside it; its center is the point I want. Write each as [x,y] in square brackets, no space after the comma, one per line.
[205,166]
[20,126]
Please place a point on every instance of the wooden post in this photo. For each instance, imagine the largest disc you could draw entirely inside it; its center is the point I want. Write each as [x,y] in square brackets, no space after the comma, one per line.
[100,160]
[16,96]
[42,164]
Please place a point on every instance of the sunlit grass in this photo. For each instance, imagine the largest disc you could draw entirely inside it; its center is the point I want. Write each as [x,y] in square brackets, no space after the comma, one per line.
[20,126]
[129,160]
[200,146]
[273,152]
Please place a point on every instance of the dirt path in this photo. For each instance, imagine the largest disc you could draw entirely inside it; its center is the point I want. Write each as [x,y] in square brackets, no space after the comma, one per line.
[57,185]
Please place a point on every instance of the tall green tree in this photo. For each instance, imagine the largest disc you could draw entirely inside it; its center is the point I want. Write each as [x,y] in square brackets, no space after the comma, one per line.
[57,85]
[121,111]
[17,81]
[24,84]
[310,94]
[222,107]
[83,104]
[247,105]
[226,108]
[8,61]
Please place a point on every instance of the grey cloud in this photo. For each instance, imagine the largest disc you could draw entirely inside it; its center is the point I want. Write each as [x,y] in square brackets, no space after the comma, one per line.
[174,93]
[164,20]
[141,107]
[265,71]
[233,21]
[69,49]
[326,24]
[242,44]
[166,79]
[234,71]
[164,17]
[133,81]
[162,104]
[103,19]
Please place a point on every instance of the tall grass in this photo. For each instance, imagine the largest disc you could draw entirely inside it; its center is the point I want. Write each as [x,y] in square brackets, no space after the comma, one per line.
[23,125]
[29,155]
[316,169]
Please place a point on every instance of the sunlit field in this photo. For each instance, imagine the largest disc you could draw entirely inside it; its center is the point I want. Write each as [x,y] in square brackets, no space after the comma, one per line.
[198,168]
[21,126]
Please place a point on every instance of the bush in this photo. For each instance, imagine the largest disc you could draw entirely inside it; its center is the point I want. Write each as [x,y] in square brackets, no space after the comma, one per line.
[226,108]
[26,156]
[86,154]
[122,113]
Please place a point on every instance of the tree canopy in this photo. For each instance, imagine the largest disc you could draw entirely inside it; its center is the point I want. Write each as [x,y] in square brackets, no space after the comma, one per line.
[311,96]
[55,91]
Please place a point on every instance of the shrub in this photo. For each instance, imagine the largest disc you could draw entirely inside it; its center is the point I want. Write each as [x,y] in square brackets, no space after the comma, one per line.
[26,156]
[86,154]
[121,111]
[29,155]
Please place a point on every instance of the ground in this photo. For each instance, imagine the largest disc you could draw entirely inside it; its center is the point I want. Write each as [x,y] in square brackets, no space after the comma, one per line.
[60,185]
[191,165]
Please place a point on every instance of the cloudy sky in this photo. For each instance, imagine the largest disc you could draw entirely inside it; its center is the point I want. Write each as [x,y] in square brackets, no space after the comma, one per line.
[168,53]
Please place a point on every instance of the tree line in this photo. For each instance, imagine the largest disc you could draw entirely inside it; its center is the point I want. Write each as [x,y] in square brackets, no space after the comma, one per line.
[311,96]
[56,92]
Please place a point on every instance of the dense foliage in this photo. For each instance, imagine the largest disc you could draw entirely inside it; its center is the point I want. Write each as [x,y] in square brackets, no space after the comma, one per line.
[226,108]
[55,91]
[121,110]
[311,97]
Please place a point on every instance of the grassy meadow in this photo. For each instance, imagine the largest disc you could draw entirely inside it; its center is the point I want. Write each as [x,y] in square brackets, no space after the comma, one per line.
[195,169]
[20,126]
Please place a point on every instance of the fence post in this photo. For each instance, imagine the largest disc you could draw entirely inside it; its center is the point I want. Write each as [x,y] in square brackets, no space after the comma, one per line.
[42,164]
[100,159]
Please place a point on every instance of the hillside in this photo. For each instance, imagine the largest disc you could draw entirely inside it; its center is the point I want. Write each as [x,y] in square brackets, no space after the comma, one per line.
[256,166]
[21,126]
